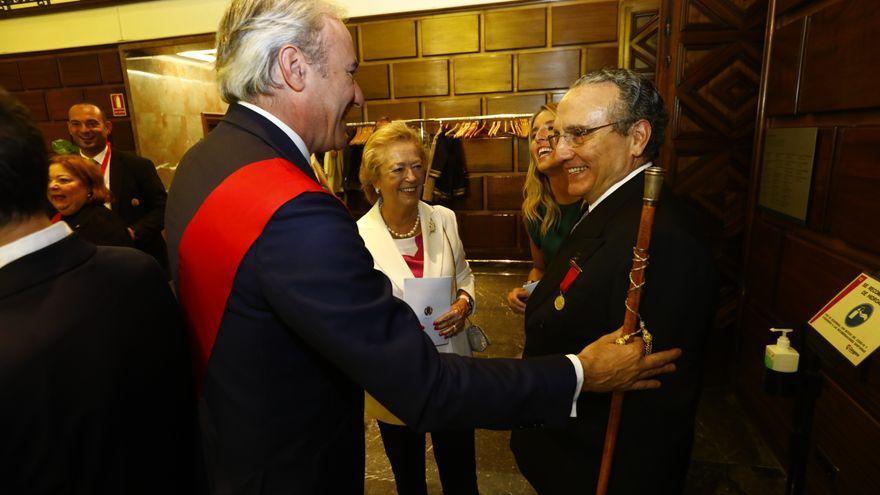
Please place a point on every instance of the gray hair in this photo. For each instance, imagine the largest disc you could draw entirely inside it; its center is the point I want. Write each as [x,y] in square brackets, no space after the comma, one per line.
[253,31]
[638,100]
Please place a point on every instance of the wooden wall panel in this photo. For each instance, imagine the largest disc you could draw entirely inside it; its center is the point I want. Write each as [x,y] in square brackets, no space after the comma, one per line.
[488,155]
[855,194]
[584,23]
[488,231]
[355,114]
[458,107]
[473,200]
[39,73]
[504,192]
[59,101]
[394,111]
[353,32]
[785,68]
[842,24]
[424,78]
[35,101]
[801,292]
[100,95]
[374,82]
[548,70]
[79,70]
[484,74]
[523,155]
[9,78]
[111,68]
[762,266]
[52,131]
[601,58]
[513,29]
[451,34]
[843,457]
[393,39]
[514,103]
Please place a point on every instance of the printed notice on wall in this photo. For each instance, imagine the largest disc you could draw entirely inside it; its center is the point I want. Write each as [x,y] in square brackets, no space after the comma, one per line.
[788,170]
[851,321]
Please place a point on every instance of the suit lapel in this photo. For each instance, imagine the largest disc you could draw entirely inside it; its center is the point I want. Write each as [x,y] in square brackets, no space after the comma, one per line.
[45,264]
[434,242]
[385,253]
[585,240]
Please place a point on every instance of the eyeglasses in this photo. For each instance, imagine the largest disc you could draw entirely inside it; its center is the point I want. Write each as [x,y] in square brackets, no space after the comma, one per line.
[578,137]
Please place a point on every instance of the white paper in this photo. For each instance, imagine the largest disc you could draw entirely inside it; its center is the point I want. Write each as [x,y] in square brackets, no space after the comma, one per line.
[530,287]
[429,298]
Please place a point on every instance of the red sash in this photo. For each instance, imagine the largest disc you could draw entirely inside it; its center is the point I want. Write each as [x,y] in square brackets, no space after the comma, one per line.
[220,233]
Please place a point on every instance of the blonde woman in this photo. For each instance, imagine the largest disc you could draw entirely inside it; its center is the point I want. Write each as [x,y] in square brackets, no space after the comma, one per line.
[411,239]
[548,210]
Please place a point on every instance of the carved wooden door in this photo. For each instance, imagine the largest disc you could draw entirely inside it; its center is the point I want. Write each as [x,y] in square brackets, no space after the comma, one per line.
[709,72]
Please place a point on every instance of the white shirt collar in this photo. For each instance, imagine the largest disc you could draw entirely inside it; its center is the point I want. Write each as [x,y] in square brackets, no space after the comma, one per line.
[300,144]
[32,243]
[99,157]
[610,190]
[617,185]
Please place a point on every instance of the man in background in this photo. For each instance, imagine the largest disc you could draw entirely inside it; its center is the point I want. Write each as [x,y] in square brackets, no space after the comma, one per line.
[138,194]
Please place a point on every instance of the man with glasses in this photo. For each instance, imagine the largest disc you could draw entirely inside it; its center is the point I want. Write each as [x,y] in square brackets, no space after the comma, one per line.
[609,129]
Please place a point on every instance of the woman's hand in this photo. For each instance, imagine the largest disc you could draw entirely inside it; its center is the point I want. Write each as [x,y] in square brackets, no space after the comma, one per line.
[516,299]
[452,322]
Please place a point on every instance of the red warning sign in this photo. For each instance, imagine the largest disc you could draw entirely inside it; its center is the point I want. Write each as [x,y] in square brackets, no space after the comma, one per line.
[117,103]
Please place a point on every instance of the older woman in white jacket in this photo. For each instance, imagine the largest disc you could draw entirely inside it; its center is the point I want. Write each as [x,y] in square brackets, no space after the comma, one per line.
[411,239]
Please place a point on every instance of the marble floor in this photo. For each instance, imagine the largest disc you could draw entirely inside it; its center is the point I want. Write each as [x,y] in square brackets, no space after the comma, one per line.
[729,456]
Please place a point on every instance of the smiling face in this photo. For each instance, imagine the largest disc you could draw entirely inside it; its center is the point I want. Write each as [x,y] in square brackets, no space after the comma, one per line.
[605,157]
[401,176]
[542,153]
[88,128]
[66,192]
[333,88]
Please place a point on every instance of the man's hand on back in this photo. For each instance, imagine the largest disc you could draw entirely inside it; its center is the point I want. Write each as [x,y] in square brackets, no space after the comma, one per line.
[612,367]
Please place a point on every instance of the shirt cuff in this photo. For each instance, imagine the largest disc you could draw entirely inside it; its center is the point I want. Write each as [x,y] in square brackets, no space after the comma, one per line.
[579,373]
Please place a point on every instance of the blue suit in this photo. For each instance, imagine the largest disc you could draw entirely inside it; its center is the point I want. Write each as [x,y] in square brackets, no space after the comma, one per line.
[309,325]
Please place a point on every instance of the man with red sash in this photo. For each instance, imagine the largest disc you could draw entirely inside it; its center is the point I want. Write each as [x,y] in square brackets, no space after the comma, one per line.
[288,319]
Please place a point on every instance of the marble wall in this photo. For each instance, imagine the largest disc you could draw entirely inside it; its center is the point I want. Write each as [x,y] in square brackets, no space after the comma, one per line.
[168,95]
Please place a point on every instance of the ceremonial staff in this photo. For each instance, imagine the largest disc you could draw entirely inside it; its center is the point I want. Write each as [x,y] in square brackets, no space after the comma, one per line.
[653,183]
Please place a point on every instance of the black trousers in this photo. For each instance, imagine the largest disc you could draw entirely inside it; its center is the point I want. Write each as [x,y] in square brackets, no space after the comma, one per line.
[453,451]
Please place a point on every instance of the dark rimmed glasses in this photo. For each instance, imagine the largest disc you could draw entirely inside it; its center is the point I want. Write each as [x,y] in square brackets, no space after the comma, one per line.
[578,137]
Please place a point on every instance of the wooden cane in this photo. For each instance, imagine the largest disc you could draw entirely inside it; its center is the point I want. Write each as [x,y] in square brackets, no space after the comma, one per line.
[653,183]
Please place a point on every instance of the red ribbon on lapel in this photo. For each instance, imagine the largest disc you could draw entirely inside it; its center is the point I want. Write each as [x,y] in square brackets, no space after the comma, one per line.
[219,235]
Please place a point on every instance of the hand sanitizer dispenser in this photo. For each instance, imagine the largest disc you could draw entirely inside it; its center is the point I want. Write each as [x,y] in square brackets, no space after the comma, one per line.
[781,363]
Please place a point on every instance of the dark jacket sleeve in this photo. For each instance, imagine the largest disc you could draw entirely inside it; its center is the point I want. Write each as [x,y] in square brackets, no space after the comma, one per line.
[153,221]
[318,276]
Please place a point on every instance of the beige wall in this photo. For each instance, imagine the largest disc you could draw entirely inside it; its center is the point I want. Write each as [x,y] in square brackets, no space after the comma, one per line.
[158,19]
[168,95]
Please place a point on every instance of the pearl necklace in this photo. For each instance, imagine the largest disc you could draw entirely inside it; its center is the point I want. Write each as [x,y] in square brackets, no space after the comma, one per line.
[398,235]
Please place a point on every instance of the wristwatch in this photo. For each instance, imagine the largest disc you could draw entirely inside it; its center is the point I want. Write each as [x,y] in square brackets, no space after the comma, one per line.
[469,300]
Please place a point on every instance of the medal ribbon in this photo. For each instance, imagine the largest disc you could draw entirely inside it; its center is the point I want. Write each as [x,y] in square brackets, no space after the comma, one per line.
[573,271]
[106,160]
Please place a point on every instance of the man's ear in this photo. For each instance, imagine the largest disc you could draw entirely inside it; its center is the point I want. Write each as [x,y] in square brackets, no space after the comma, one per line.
[293,67]
[108,124]
[640,134]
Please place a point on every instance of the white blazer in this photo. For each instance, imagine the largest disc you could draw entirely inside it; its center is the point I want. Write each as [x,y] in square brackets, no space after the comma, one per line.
[444,256]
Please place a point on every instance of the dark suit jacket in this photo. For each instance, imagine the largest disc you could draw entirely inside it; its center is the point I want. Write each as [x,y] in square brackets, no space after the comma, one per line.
[677,306]
[309,324]
[94,384]
[100,226]
[139,199]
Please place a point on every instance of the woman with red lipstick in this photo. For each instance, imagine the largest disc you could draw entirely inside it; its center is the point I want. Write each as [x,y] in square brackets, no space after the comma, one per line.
[549,211]
[411,239]
[77,191]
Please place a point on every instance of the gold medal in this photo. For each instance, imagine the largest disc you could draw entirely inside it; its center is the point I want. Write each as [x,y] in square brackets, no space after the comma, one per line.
[559,302]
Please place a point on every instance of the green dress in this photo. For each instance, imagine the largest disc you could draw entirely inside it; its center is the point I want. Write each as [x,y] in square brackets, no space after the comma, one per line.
[550,242]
